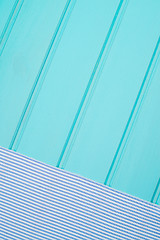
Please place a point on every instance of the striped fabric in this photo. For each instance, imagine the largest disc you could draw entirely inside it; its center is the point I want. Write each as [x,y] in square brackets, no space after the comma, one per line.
[39,201]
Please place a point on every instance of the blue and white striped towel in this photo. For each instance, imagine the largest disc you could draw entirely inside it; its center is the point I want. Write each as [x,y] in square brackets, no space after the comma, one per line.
[39,201]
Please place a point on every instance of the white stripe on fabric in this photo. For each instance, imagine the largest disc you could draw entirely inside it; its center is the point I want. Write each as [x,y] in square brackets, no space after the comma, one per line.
[43,165]
[39,201]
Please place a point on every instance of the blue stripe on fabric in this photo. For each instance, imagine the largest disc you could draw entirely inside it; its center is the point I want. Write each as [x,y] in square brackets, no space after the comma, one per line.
[64,195]
[98,229]
[106,209]
[50,203]
[140,209]
[114,192]
[72,176]
[80,212]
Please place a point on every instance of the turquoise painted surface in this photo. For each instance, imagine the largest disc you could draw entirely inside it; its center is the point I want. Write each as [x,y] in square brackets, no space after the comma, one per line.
[141,157]
[66,80]
[22,57]
[79,88]
[5,10]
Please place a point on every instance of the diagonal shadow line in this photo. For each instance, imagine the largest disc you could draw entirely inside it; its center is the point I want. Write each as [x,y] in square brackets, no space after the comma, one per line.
[153,200]
[132,113]
[89,83]
[8,20]
[9,24]
[31,95]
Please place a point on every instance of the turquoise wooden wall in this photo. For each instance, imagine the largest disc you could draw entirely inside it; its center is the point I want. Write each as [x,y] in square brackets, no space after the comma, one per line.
[80,88]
